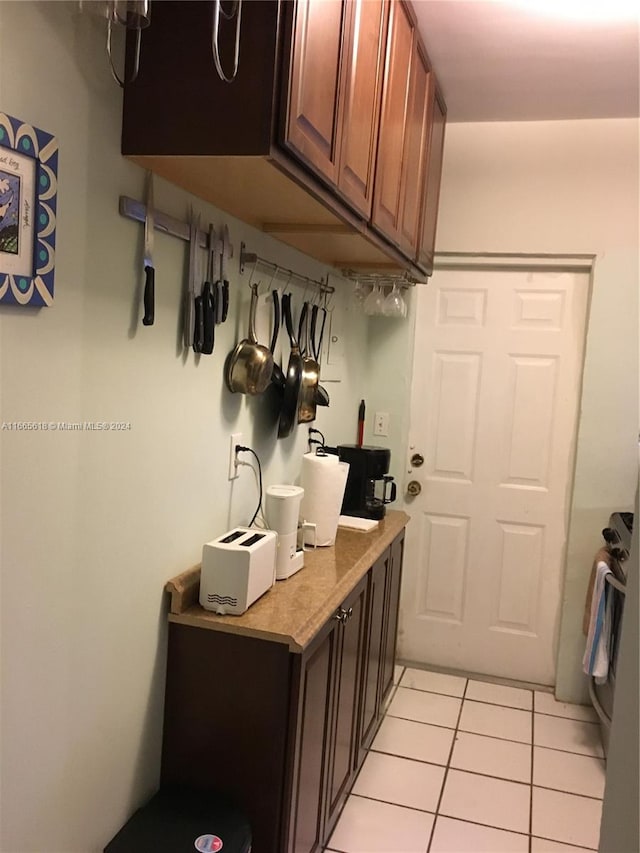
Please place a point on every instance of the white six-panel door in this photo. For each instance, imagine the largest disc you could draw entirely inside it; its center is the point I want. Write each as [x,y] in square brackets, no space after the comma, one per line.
[496,382]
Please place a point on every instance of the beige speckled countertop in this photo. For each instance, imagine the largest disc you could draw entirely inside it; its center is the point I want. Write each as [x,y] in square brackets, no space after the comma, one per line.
[294,610]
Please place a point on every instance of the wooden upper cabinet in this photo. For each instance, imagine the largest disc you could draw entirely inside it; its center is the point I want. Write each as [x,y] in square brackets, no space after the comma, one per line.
[433,172]
[387,212]
[314,79]
[415,152]
[365,30]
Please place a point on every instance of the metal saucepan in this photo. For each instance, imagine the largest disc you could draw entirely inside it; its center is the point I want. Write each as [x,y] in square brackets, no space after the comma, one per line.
[291,390]
[310,372]
[250,365]
[322,395]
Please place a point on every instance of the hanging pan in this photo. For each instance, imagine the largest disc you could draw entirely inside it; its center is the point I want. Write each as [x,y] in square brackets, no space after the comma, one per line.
[310,372]
[322,395]
[277,377]
[250,365]
[291,390]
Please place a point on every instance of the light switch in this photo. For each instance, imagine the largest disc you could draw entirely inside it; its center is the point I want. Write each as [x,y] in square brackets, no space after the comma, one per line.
[381,423]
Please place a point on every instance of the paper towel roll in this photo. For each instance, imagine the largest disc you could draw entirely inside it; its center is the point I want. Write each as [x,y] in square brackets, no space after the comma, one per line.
[323,479]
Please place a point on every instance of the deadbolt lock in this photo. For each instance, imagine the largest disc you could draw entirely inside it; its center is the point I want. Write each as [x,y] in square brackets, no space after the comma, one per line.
[417,460]
[414,488]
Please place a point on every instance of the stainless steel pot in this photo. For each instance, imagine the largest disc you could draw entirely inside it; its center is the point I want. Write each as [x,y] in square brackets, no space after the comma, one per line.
[250,365]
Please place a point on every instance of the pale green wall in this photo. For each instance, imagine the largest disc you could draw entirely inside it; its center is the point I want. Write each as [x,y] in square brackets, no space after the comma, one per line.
[93,524]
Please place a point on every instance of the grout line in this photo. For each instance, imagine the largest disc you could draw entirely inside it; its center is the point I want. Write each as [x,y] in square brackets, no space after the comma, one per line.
[573,844]
[489,825]
[424,723]
[533,724]
[391,803]
[495,737]
[493,776]
[570,793]
[498,705]
[478,676]
[484,775]
[409,758]
[570,719]
[447,767]
[569,751]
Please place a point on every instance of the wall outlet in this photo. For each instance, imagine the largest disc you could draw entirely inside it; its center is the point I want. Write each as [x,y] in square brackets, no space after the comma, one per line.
[381,423]
[236,438]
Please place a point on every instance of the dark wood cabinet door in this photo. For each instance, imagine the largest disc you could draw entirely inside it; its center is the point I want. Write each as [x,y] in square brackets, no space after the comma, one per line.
[386,198]
[361,90]
[414,154]
[346,690]
[373,653]
[311,130]
[312,741]
[433,173]
[394,579]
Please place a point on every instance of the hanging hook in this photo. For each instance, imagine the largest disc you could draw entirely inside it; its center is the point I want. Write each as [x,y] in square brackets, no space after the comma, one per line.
[215,36]
[275,275]
[253,269]
[136,61]
[285,289]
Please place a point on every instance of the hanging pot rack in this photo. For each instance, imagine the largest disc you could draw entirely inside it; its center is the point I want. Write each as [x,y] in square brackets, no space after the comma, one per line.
[253,260]
[384,279]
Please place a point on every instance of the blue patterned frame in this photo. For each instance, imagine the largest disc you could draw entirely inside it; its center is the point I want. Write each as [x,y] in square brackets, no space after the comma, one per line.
[35,289]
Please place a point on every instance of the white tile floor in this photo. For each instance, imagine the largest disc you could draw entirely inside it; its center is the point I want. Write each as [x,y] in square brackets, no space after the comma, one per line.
[465,766]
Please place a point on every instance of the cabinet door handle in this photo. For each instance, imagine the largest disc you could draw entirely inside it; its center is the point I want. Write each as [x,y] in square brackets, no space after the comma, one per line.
[343,615]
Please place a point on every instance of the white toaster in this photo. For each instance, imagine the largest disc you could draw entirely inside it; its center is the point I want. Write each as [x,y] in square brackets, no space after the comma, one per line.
[237,568]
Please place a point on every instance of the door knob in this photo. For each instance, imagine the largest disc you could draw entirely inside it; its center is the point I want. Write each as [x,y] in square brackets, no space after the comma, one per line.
[417,460]
[414,488]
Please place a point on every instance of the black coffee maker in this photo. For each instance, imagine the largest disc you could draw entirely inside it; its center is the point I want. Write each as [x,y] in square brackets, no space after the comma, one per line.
[369,488]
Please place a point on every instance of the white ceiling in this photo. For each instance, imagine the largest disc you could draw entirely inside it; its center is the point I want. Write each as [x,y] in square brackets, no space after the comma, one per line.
[510,61]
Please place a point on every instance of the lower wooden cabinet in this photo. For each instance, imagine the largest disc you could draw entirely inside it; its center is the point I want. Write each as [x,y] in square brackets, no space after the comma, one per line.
[370,702]
[394,576]
[284,733]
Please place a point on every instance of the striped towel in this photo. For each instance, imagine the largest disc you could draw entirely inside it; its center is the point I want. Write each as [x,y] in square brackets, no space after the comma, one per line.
[596,654]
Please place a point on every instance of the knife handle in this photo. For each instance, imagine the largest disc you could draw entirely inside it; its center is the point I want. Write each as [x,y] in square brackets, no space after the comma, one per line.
[149,295]
[208,318]
[198,325]
[225,300]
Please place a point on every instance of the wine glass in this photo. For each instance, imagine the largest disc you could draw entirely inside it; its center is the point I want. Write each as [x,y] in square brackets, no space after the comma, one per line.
[394,305]
[374,301]
[360,293]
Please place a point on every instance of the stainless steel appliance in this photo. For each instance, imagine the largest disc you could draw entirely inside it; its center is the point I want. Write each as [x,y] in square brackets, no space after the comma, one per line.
[617,537]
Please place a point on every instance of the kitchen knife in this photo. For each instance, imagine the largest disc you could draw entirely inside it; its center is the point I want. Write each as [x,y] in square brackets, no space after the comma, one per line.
[226,253]
[198,320]
[216,264]
[208,300]
[190,295]
[149,271]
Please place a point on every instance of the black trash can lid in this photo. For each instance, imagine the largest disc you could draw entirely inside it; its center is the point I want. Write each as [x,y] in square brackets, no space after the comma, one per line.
[177,820]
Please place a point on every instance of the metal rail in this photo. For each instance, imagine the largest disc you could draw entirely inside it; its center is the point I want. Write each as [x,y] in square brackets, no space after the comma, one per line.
[255,260]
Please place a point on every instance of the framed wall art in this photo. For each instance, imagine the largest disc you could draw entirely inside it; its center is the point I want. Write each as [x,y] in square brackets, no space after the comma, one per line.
[28,190]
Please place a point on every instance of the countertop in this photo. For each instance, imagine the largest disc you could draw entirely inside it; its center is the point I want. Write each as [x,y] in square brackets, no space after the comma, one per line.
[293,610]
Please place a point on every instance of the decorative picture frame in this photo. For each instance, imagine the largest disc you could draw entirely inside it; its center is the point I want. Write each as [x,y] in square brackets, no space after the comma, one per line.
[28,205]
